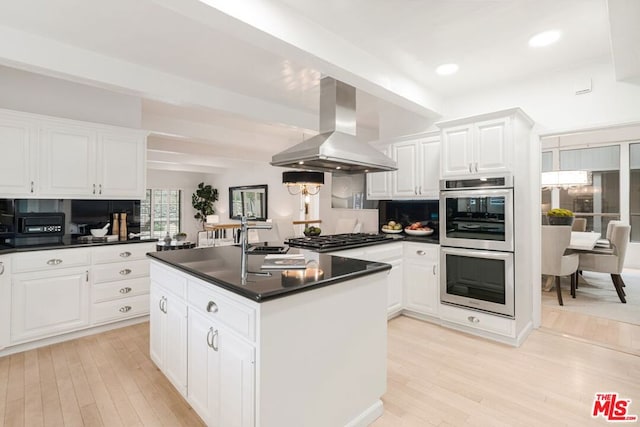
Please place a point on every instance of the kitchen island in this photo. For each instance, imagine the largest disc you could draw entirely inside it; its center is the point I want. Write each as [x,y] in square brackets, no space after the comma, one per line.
[296,347]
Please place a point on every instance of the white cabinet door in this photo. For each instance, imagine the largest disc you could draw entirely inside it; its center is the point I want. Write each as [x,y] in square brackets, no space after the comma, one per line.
[48,303]
[492,146]
[168,336]
[17,142]
[379,183]
[394,290]
[175,352]
[121,166]
[421,287]
[156,324]
[68,159]
[203,376]
[237,381]
[406,177]
[429,166]
[457,150]
[5,301]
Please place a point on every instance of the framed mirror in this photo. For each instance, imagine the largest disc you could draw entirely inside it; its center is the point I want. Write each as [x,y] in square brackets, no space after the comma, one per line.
[249,200]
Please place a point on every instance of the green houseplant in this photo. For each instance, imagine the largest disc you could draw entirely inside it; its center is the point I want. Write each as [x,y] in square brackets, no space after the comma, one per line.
[202,201]
[560,217]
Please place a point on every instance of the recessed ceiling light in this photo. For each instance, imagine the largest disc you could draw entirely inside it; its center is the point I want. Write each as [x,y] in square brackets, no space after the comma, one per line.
[544,39]
[447,69]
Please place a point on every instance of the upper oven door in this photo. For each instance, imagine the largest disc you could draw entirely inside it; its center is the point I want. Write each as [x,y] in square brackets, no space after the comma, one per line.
[477,219]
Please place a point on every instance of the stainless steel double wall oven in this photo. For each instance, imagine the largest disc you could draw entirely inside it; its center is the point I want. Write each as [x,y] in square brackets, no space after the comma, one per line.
[477,243]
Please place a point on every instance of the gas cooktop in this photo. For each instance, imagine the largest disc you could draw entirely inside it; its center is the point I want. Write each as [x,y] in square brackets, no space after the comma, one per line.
[338,241]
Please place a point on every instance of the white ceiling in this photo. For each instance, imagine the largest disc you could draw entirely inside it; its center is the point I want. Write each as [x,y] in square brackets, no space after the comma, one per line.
[209,78]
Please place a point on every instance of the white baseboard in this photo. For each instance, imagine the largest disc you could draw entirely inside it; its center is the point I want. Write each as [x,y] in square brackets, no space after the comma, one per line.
[367,417]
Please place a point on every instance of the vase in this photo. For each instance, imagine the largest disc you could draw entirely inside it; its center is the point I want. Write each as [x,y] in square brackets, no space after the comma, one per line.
[560,220]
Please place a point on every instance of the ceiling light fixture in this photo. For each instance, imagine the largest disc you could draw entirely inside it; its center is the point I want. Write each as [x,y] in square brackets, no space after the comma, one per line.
[565,179]
[447,69]
[544,39]
[305,183]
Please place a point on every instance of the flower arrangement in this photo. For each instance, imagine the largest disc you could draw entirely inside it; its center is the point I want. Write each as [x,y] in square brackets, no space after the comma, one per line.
[560,212]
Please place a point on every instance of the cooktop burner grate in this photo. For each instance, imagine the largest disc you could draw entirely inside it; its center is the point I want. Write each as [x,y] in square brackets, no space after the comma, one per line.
[336,241]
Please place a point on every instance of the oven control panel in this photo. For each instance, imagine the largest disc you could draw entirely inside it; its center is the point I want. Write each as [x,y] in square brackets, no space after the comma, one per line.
[29,229]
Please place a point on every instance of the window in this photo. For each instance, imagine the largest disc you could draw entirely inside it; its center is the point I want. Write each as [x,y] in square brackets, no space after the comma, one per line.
[160,213]
[634,191]
[546,166]
[599,203]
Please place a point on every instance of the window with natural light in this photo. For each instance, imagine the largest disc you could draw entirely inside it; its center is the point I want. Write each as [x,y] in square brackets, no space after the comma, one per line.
[160,213]
[634,191]
[599,203]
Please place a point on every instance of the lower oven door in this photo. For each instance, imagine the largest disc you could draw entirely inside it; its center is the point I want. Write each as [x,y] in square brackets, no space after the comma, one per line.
[483,280]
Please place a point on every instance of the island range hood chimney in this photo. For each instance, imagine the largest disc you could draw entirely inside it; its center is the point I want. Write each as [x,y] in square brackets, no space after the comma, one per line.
[336,148]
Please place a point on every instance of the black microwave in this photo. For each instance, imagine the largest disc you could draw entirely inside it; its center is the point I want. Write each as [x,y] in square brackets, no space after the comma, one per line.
[40,224]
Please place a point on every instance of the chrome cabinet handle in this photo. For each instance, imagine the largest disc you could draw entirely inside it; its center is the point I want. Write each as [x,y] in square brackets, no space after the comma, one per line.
[125,254]
[415,190]
[420,190]
[54,261]
[86,275]
[476,166]
[1,268]
[473,319]
[125,309]
[100,189]
[434,269]
[125,271]
[210,337]
[31,186]
[420,252]
[125,290]
[212,307]
[160,304]
[214,340]
[163,305]
[470,171]
[94,189]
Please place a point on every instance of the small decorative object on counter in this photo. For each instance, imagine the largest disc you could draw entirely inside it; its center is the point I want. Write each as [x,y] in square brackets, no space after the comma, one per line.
[560,217]
[115,226]
[167,239]
[123,226]
[180,237]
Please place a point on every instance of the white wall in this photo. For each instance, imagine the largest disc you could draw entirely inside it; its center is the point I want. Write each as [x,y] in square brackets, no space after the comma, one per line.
[35,93]
[551,102]
[187,182]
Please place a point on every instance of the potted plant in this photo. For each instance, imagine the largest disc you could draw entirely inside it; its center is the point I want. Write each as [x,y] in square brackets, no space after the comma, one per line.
[560,217]
[202,201]
[180,237]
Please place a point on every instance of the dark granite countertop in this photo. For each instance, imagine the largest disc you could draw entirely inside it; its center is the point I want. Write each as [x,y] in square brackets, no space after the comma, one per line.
[69,243]
[221,266]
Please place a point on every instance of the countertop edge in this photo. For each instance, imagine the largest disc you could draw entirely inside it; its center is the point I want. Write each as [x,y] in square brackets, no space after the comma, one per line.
[73,246]
[376,267]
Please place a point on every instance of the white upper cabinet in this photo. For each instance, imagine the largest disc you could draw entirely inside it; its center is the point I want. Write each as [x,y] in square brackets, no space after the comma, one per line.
[58,158]
[418,171]
[68,161]
[119,160]
[17,145]
[482,144]
[379,183]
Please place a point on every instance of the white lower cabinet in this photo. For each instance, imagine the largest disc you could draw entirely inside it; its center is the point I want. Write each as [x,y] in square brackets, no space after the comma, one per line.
[394,290]
[221,374]
[49,302]
[5,300]
[168,335]
[421,278]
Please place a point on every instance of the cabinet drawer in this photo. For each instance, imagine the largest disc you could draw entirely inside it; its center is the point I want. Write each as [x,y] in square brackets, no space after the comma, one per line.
[168,279]
[120,271]
[421,251]
[50,260]
[120,289]
[119,309]
[477,320]
[212,304]
[125,252]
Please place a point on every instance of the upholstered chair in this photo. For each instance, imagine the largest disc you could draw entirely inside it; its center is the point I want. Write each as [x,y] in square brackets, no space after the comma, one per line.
[555,240]
[579,224]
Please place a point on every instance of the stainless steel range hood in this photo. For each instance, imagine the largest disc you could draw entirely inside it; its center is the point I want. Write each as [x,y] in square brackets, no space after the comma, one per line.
[336,148]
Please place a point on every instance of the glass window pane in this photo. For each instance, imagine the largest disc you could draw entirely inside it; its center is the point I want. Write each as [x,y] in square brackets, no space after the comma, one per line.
[593,159]
[634,192]
[547,161]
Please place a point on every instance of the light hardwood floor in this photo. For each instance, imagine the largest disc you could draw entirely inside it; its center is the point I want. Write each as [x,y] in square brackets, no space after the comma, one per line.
[436,377]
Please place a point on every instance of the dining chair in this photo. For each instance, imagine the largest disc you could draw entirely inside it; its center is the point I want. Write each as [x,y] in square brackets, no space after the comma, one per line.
[610,262]
[555,240]
[579,224]
[606,243]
